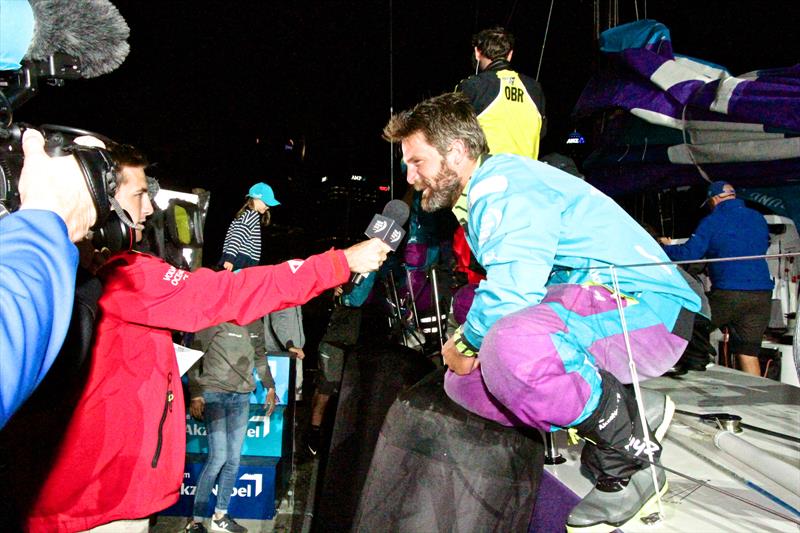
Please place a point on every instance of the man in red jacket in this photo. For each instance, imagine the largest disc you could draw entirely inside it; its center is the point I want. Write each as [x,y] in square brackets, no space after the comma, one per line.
[122,454]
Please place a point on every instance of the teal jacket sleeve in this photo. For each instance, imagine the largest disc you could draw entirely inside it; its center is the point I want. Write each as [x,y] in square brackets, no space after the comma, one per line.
[515,237]
[37,288]
[359,293]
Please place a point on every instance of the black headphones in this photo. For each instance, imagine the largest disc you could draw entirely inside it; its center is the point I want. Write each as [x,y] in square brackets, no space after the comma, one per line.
[100,173]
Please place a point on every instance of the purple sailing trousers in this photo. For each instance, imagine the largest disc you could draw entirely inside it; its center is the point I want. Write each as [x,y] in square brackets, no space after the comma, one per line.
[539,365]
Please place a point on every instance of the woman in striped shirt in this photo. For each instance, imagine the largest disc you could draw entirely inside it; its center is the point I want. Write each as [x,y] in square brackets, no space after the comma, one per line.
[242,247]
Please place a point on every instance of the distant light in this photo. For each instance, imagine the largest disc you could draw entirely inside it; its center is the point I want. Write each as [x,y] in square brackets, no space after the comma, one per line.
[383,188]
[356,177]
[575,138]
[324,179]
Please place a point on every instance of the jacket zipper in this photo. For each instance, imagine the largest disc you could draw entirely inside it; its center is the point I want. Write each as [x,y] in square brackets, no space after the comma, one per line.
[167,408]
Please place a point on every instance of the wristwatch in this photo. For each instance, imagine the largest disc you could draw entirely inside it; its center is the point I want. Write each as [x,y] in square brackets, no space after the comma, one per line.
[462,344]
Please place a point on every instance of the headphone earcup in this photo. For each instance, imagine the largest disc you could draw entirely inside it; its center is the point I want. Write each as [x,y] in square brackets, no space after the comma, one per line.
[114,234]
[100,175]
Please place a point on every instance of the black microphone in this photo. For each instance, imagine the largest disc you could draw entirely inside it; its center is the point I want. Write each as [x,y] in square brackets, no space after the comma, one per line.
[388,227]
[91,31]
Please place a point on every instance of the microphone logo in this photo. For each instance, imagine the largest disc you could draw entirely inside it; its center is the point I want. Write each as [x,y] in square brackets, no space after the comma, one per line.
[387,230]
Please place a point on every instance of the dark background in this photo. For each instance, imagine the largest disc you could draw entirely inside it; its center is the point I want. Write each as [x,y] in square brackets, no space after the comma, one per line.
[212,90]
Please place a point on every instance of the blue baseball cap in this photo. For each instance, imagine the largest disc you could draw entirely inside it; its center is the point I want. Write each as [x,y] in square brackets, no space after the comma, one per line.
[719,188]
[263,192]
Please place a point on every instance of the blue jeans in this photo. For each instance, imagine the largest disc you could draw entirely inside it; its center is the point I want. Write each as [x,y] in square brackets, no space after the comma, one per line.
[226,415]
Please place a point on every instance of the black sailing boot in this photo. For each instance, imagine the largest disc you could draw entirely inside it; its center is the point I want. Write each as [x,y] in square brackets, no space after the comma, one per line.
[624,488]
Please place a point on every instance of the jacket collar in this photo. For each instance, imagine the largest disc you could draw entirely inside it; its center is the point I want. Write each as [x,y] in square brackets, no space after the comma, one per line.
[497,64]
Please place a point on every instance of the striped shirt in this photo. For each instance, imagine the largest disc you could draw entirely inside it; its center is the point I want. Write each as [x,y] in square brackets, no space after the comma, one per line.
[242,245]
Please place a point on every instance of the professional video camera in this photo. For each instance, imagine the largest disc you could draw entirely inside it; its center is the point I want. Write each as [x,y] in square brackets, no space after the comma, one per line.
[54,41]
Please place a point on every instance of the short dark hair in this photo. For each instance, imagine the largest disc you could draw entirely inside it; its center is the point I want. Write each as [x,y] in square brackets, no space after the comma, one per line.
[441,119]
[126,155]
[494,43]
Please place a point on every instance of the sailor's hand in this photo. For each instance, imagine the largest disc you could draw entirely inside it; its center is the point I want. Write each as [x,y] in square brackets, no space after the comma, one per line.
[367,256]
[456,362]
[271,401]
[197,406]
[298,352]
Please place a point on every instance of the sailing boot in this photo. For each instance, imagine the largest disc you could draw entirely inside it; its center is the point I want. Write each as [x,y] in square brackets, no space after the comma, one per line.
[658,412]
[616,454]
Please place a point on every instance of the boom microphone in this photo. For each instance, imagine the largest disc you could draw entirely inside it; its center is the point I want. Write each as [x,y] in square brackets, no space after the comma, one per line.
[92,31]
[388,227]
[55,40]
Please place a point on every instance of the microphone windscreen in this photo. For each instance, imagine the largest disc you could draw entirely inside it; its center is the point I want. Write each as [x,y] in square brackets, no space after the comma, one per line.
[93,31]
[397,210]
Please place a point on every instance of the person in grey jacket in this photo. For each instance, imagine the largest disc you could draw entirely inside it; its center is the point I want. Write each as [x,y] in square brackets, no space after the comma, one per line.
[220,384]
[284,333]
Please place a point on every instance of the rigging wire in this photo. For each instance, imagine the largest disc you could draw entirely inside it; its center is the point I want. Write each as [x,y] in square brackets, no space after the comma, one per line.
[511,13]
[685,262]
[596,19]
[544,41]
[391,96]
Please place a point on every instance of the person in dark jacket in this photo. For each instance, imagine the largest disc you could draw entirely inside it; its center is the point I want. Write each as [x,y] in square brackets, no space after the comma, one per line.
[220,384]
[741,290]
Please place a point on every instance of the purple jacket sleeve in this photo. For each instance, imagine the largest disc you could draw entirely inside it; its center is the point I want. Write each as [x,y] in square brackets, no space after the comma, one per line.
[37,288]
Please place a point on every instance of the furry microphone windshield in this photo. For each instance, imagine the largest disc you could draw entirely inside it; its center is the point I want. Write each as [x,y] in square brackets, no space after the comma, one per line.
[92,31]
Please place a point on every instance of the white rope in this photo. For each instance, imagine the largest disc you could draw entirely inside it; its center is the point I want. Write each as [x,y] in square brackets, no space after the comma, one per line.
[636,389]
[689,145]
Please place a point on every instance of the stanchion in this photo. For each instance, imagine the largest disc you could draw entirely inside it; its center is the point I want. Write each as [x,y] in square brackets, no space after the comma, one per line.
[551,454]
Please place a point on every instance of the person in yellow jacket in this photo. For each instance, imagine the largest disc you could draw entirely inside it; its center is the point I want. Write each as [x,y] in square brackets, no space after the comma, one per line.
[509,105]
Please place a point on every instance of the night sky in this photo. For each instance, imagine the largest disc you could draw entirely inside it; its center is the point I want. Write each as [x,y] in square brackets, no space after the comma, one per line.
[205,79]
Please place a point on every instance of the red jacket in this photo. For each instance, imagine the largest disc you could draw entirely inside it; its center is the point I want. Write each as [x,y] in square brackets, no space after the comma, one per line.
[123,451]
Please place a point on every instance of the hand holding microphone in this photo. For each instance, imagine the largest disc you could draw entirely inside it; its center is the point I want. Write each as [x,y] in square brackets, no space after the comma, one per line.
[366,256]
[386,228]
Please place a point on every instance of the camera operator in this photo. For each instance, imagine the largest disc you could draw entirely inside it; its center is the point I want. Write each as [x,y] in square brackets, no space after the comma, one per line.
[37,268]
[122,453]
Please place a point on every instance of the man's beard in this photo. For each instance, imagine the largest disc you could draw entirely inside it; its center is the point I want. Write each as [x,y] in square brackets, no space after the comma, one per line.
[447,189]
